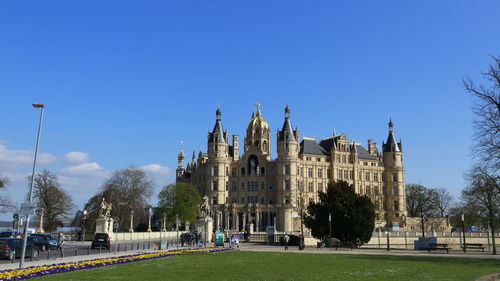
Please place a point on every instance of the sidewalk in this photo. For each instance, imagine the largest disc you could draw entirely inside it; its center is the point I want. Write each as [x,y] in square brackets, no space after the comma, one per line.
[369,251]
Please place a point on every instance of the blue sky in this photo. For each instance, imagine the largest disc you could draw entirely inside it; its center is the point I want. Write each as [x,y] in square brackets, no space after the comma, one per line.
[125,82]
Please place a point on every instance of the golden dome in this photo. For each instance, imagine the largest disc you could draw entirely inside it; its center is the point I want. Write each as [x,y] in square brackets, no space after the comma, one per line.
[257,121]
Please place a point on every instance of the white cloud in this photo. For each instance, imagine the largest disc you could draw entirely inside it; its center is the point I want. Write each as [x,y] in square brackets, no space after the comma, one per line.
[86,169]
[76,157]
[156,169]
[21,158]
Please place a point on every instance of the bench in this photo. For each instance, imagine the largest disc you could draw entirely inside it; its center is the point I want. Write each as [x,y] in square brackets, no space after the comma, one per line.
[349,245]
[438,246]
[474,246]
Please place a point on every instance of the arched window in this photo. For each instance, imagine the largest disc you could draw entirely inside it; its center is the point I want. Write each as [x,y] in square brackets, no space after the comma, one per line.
[242,171]
[264,146]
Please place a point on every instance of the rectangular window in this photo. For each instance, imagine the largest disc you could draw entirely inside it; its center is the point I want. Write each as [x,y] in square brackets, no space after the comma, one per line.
[328,173]
[367,176]
[351,175]
[233,172]
[395,177]
[215,185]
[320,187]
[227,185]
[287,184]
[395,190]
[375,189]
[318,159]
[308,158]
[368,190]
[215,171]
[320,172]
[310,172]
[375,177]
[287,169]
[310,187]
[346,174]
[396,205]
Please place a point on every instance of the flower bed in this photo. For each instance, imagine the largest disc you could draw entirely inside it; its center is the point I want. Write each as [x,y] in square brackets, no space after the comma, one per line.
[34,271]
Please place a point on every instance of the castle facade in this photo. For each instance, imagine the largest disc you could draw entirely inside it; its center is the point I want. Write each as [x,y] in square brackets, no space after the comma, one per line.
[252,190]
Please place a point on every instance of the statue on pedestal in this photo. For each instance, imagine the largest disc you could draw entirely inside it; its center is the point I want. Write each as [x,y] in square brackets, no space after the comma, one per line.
[204,207]
[105,211]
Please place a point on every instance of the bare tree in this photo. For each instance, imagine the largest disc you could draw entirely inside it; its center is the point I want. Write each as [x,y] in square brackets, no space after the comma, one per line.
[487,111]
[55,203]
[5,203]
[128,189]
[444,201]
[421,200]
[483,193]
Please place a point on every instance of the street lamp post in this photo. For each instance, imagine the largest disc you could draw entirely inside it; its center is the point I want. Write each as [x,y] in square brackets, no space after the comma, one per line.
[131,221]
[463,230]
[177,222]
[330,224]
[150,211]
[206,233]
[30,198]
[85,212]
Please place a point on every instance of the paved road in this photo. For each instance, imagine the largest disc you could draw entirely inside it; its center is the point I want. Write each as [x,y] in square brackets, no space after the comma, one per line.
[75,248]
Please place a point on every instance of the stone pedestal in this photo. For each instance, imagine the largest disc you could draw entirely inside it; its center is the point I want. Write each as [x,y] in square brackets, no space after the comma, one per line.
[104,225]
[209,224]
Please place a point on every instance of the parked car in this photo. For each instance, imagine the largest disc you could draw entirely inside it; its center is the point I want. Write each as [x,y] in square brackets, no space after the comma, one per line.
[11,248]
[9,234]
[43,241]
[101,240]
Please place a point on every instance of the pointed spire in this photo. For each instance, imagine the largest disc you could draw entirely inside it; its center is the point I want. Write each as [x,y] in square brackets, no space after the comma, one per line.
[286,131]
[217,134]
[391,144]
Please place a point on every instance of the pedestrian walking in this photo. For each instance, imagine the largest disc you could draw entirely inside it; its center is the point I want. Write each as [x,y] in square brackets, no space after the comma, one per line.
[60,244]
[286,239]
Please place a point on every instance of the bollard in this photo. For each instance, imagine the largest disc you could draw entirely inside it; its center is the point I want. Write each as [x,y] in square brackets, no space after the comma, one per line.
[109,249]
[378,238]
[14,256]
[118,248]
[125,247]
[149,245]
[48,254]
[143,246]
[406,239]
[100,249]
[88,250]
[388,243]
[76,251]
[137,245]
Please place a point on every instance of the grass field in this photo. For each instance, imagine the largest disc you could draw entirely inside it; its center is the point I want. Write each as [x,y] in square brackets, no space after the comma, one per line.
[240,265]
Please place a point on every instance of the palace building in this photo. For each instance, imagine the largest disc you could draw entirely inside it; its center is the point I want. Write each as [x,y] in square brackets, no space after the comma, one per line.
[252,190]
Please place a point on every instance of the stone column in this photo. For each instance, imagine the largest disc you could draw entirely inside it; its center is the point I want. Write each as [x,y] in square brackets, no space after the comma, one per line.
[257,221]
[217,220]
[244,221]
[237,221]
[40,227]
[227,221]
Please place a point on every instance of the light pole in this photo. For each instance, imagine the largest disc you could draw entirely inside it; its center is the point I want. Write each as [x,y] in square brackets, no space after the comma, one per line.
[177,222]
[330,224]
[150,211]
[463,230]
[206,233]
[85,212]
[131,221]
[30,198]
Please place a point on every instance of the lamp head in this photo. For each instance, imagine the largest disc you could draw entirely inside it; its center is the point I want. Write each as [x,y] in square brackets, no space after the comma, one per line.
[38,105]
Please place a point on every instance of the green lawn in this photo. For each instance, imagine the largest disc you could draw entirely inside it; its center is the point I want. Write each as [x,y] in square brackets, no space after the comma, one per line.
[240,265]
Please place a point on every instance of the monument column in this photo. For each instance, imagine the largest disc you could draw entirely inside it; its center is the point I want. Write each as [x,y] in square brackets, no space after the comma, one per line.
[244,221]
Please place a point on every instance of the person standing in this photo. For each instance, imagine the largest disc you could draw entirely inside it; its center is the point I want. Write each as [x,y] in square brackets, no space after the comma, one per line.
[286,239]
[60,244]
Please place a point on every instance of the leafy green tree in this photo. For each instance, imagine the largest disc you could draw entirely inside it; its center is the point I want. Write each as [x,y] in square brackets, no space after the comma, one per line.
[180,199]
[353,215]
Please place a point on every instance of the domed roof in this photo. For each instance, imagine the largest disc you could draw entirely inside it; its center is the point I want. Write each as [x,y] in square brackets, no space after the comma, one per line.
[258,121]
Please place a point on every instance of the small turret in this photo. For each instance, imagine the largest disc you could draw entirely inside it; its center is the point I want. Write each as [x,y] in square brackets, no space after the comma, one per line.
[180,163]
